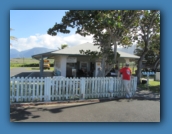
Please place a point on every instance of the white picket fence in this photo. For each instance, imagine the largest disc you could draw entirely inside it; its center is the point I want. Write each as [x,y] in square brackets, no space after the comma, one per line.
[61,88]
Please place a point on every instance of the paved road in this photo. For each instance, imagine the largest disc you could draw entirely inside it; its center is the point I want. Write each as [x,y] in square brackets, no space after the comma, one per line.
[120,110]
[17,71]
[24,72]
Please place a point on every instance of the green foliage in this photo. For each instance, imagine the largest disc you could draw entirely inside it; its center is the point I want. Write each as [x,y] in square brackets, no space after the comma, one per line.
[12,37]
[153,53]
[92,54]
[64,46]
[111,28]
[149,27]
[108,28]
[24,65]
[26,62]
[154,86]
[116,22]
[95,55]
[15,65]
[27,65]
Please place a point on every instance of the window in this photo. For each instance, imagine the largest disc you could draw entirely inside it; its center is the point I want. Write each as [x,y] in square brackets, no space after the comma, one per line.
[84,65]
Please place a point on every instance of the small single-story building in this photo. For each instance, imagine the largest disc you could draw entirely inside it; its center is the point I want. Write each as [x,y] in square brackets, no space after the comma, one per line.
[68,61]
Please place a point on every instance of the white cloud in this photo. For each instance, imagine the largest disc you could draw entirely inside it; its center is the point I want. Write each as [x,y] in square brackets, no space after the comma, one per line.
[47,41]
[53,42]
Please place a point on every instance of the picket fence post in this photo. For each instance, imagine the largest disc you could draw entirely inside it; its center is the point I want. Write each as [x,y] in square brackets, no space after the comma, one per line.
[47,91]
[82,85]
[111,86]
[17,90]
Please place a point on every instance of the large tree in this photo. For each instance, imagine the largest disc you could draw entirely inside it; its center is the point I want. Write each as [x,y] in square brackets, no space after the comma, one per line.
[153,55]
[109,27]
[149,26]
[156,51]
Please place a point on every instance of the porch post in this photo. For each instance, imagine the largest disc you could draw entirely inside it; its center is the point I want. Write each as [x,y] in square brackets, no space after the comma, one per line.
[97,65]
[60,64]
[41,66]
[63,63]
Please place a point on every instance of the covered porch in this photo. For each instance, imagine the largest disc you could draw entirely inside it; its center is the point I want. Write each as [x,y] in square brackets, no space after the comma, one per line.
[69,62]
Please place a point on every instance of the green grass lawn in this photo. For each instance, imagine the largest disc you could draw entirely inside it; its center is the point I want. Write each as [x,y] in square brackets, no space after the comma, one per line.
[154,86]
[19,62]
[12,67]
[37,68]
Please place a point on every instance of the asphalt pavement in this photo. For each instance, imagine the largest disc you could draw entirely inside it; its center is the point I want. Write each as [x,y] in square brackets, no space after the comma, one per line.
[27,72]
[118,110]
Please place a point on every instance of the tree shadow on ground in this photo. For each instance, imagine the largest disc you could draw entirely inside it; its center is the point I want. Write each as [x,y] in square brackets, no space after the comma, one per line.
[57,110]
[18,114]
[51,110]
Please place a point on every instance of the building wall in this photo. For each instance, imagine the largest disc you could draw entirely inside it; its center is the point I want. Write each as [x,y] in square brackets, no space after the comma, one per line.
[60,64]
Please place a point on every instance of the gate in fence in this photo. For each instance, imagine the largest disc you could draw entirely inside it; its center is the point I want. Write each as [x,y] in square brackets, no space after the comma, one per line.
[61,88]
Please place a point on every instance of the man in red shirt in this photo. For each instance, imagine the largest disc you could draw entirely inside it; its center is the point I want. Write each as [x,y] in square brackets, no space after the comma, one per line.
[126,77]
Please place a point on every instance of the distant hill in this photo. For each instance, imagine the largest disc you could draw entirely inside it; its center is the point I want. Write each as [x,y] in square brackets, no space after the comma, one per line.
[28,53]
[14,53]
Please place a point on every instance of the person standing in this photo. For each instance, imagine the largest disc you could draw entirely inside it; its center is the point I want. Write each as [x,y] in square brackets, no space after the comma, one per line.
[126,77]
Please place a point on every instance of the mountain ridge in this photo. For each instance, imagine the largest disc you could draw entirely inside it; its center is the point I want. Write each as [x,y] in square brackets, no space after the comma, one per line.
[28,53]
[37,50]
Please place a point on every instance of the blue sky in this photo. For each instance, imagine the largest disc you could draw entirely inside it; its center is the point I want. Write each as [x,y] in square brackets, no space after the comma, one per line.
[31,26]
[30,29]
[30,22]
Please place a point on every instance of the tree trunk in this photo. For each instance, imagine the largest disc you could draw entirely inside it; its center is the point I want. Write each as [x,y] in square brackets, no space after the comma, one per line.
[156,63]
[139,70]
[108,69]
[115,50]
[103,66]
[139,66]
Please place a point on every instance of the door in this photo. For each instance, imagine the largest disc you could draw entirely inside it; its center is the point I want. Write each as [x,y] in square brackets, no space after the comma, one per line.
[84,65]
